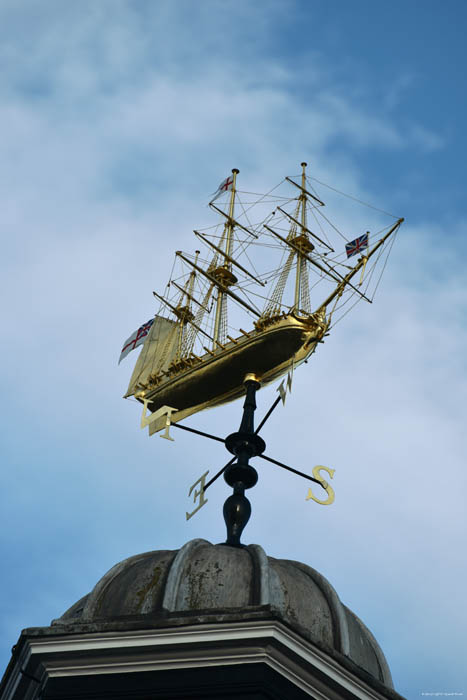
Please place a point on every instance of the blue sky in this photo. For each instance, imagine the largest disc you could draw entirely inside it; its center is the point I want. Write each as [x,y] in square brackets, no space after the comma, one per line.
[118,120]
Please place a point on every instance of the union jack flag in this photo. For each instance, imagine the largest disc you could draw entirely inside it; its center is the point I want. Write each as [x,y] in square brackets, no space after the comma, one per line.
[357,245]
[135,339]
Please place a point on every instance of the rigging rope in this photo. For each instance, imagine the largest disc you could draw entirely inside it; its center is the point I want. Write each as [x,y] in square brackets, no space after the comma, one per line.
[355,199]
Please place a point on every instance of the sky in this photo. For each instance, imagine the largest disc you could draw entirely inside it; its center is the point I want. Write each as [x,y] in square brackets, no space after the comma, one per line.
[118,120]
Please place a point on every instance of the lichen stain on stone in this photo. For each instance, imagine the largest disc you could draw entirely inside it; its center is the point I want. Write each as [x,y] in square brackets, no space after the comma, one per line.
[194,581]
[290,612]
[152,583]
[196,585]
[288,608]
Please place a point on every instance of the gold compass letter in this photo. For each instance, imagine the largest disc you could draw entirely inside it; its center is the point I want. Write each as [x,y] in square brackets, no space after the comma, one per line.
[198,494]
[163,411]
[325,485]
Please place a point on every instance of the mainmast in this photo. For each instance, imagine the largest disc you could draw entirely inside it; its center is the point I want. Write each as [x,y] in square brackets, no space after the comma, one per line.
[223,274]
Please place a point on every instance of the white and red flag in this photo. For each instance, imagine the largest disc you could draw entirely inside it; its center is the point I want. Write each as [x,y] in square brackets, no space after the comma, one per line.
[225,186]
[135,339]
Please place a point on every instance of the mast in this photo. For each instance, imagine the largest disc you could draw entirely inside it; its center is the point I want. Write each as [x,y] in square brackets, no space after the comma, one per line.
[183,311]
[222,286]
[298,276]
[224,274]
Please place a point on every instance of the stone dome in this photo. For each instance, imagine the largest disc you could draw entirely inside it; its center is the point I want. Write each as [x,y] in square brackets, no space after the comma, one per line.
[206,579]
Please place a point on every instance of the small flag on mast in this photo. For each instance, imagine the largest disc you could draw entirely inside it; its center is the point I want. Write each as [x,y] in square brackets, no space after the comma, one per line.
[357,245]
[225,186]
[135,339]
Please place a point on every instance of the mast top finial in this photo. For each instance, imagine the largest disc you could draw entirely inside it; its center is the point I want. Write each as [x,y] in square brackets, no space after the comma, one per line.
[235,170]
[303,164]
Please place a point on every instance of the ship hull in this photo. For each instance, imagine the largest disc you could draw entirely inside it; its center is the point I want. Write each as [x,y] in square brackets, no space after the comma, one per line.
[216,379]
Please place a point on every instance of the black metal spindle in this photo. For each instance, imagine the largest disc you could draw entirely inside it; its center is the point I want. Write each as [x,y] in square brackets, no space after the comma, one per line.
[240,475]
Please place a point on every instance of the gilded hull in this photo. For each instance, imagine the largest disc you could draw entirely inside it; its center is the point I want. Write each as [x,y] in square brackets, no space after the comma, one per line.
[219,378]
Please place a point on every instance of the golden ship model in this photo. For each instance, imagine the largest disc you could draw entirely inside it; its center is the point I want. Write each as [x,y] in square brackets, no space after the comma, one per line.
[264,274]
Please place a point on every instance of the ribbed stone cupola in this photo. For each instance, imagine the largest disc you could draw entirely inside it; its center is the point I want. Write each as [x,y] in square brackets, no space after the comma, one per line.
[203,581]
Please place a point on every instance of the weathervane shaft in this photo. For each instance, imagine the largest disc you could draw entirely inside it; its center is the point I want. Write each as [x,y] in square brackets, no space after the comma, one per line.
[244,444]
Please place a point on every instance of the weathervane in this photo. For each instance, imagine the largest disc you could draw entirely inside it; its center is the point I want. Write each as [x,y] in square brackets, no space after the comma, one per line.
[238,472]
[196,354]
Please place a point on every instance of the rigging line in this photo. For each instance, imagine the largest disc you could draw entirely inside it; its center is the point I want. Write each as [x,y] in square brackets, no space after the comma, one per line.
[373,269]
[245,214]
[340,258]
[349,295]
[172,270]
[228,257]
[341,306]
[300,187]
[268,300]
[190,297]
[375,264]
[247,242]
[348,310]
[250,290]
[264,297]
[225,290]
[281,303]
[385,263]
[233,222]
[292,245]
[348,282]
[365,204]
[247,292]
[304,228]
[319,223]
[188,320]
[313,189]
[262,195]
[381,230]
[243,245]
[331,224]
[266,195]
[250,261]
[253,204]
[339,319]
[250,240]
[269,274]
